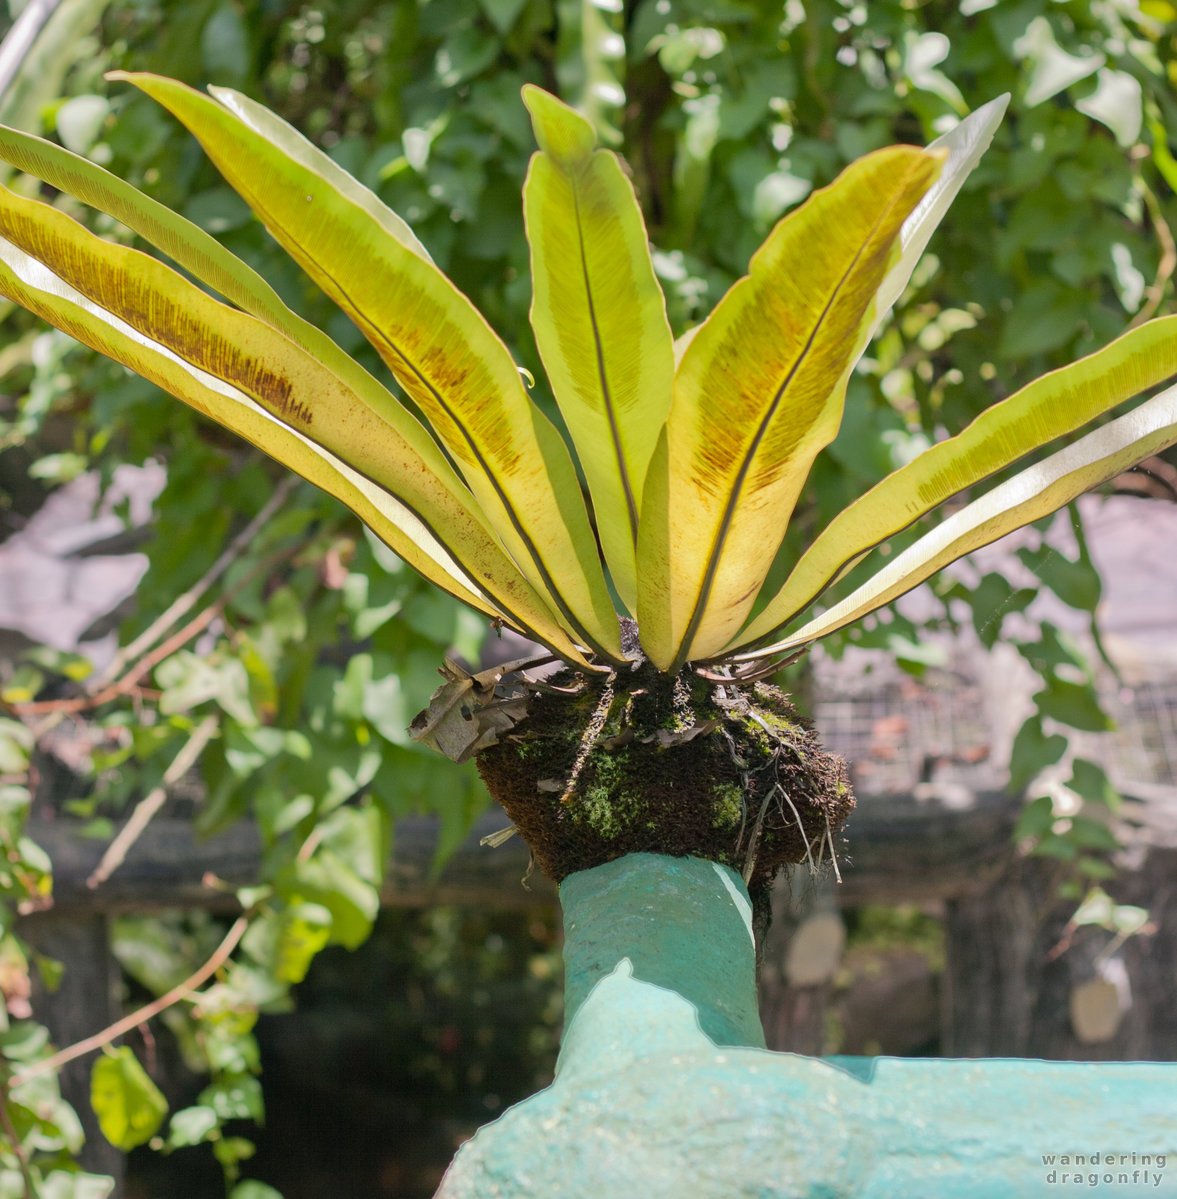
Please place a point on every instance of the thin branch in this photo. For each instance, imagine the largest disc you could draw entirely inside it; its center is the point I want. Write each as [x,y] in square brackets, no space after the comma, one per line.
[129,683]
[147,807]
[1155,292]
[150,1011]
[185,602]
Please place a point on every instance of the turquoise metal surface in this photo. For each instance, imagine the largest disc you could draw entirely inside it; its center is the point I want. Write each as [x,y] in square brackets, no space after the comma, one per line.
[663,1087]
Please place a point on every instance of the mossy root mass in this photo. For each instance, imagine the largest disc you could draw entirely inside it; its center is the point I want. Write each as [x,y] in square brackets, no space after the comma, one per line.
[645,762]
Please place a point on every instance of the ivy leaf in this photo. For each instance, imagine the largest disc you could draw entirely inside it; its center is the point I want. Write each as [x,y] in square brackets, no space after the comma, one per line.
[238,1097]
[1118,103]
[191,1126]
[1087,833]
[1089,781]
[326,879]
[129,1106]
[1073,704]
[1075,582]
[252,1189]
[1032,752]
[1036,819]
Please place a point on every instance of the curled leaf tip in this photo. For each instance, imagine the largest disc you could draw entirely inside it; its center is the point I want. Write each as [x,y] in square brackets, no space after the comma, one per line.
[560,130]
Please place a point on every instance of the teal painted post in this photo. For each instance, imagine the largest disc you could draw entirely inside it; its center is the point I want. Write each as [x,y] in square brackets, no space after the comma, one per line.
[663,1087]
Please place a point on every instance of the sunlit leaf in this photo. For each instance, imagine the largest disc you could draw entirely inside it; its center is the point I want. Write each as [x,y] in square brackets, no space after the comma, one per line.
[1052,406]
[435,342]
[1033,493]
[758,392]
[599,318]
[129,1106]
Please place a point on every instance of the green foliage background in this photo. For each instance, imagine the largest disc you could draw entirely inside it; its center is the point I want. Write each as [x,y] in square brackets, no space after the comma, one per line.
[729,112]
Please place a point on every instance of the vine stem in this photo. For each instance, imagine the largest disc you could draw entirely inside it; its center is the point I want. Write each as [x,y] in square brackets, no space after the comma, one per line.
[100,1039]
[186,601]
[1168,262]
[129,682]
[147,807]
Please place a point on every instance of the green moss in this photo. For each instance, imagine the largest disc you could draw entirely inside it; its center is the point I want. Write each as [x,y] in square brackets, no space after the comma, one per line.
[728,805]
[609,814]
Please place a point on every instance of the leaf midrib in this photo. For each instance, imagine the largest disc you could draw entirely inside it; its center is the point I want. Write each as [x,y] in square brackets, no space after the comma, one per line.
[602,374]
[492,478]
[734,492]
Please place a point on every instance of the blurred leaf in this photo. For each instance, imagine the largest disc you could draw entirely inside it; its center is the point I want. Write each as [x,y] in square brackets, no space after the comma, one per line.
[1074,704]
[465,54]
[224,45]
[191,1126]
[1075,582]
[129,1106]
[16,743]
[79,120]
[1033,750]
[1117,102]
[235,1098]
[1044,317]
[1051,67]
[1089,781]
[502,13]
[252,1189]
[1036,819]
[1092,834]
[326,879]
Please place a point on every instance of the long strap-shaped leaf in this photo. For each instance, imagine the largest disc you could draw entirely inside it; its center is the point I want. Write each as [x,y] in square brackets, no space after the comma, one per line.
[196,251]
[254,380]
[1037,491]
[433,339]
[963,145]
[599,318]
[1051,407]
[758,392]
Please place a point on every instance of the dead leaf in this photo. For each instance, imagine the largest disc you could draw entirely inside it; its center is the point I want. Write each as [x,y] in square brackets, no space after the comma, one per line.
[464,716]
[669,737]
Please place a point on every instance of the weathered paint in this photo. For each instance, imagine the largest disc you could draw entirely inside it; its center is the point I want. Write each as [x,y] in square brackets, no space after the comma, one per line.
[663,1088]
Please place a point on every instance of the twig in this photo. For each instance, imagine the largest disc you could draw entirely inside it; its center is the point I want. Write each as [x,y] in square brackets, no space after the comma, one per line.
[129,682]
[185,602]
[1154,293]
[150,1011]
[147,807]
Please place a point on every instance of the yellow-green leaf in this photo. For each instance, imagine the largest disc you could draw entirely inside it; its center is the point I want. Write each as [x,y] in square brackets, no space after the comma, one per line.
[1034,492]
[188,245]
[129,1106]
[252,379]
[599,318]
[1051,407]
[758,392]
[963,146]
[439,347]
